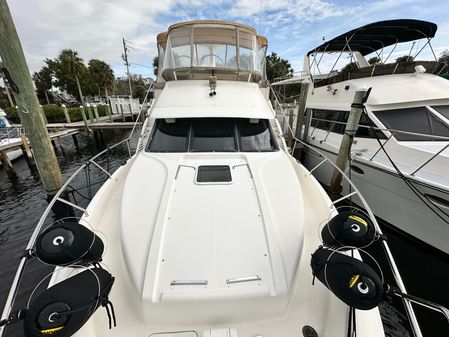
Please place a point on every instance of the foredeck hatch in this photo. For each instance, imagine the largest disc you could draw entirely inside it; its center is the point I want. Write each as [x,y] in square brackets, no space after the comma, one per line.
[214,174]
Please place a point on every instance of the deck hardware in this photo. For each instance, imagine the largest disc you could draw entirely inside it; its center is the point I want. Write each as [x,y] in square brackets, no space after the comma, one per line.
[243,279]
[189,282]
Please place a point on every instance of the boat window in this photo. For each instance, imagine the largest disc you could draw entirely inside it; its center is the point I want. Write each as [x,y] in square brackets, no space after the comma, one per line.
[336,121]
[442,109]
[416,120]
[255,135]
[170,136]
[212,135]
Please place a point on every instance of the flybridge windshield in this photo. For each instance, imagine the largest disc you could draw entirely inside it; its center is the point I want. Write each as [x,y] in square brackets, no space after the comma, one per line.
[211,135]
[214,46]
[414,120]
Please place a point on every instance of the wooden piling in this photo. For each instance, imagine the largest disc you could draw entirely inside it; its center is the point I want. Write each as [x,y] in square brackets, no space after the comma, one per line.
[43,114]
[97,117]
[28,105]
[291,117]
[108,112]
[89,111]
[5,161]
[75,141]
[66,114]
[83,115]
[131,108]
[345,147]
[121,110]
[301,108]
[26,147]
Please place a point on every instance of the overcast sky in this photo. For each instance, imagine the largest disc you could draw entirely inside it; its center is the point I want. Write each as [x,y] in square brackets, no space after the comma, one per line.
[95,28]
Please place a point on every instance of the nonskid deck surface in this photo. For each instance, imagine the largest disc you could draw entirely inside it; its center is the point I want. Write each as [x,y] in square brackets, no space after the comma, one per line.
[304,304]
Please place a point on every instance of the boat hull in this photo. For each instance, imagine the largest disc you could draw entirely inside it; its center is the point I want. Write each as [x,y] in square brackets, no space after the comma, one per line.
[390,198]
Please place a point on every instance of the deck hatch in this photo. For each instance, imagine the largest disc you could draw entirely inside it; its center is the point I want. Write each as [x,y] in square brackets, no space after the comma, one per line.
[214,174]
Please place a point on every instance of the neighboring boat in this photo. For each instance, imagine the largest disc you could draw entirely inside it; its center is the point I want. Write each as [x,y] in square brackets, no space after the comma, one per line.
[211,228]
[9,135]
[407,110]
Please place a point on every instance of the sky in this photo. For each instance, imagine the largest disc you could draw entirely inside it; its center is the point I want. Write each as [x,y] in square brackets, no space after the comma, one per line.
[95,28]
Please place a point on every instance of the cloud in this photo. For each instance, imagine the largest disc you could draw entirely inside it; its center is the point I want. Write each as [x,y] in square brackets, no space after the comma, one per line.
[95,27]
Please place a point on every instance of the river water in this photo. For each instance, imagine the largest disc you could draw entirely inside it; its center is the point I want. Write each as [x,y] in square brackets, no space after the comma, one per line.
[23,200]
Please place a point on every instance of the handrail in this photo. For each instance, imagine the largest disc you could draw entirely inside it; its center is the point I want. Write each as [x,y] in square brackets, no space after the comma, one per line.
[435,155]
[395,271]
[22,264]
[384,129]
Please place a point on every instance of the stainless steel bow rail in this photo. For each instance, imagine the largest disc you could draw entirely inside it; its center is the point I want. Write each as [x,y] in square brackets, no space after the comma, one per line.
[401,290]
[86,168]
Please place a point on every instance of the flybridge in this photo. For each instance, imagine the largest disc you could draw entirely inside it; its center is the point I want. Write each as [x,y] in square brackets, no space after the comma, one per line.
[199,49]
[378,35]
[374,39]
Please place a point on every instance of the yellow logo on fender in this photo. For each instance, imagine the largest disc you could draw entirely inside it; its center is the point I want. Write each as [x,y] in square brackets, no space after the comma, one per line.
[353,280]
[52,330]
[358,219]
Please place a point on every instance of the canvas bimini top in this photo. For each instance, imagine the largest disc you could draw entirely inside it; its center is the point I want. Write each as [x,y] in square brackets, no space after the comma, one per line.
[374,36]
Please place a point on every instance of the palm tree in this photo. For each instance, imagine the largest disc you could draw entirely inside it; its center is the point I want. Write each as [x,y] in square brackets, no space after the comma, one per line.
[43,81]
[73,64]
[103,76]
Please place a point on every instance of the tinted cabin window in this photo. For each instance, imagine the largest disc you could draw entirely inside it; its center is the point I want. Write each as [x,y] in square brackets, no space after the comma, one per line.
[255,136]
[170,137]
[442,109]
[417,120]
[336,121]
[212,135]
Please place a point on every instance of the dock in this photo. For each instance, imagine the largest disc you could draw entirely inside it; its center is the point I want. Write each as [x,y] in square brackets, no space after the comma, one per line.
[22,143]
[58,131]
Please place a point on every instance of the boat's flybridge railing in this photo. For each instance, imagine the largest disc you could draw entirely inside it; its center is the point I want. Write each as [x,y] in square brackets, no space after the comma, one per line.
[402,293]
[356,57]
[390,134]
[103,168]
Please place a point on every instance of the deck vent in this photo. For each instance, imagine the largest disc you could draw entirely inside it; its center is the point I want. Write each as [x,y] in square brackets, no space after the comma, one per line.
[214,174]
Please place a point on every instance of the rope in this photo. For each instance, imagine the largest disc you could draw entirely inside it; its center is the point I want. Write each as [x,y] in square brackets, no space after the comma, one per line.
[406,180]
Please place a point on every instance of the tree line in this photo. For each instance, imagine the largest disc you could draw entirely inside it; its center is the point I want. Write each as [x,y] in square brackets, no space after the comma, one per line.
[69,73]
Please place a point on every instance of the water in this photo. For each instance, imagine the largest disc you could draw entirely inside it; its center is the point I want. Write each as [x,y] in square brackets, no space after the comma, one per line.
[23,199]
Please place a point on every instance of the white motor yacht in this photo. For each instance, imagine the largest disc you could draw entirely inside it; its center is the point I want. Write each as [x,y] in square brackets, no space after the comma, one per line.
[8,136]
[407,182]
[211,228]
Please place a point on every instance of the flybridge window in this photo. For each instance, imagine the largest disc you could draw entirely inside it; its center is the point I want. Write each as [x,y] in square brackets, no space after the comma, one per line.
[417,120]
[211,135]
[336,120]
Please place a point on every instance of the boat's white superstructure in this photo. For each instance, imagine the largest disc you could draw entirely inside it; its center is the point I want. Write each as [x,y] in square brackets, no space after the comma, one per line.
[408,98]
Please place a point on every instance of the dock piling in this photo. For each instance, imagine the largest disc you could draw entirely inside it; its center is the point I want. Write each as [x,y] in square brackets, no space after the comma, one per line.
[360,97]
[26,147]
[29,110]
[97,117]
[301,112]
[83,115]
[66,113]
[5,161]
[89,111]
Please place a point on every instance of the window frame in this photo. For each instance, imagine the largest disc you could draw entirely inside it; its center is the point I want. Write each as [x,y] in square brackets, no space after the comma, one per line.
[190,136]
